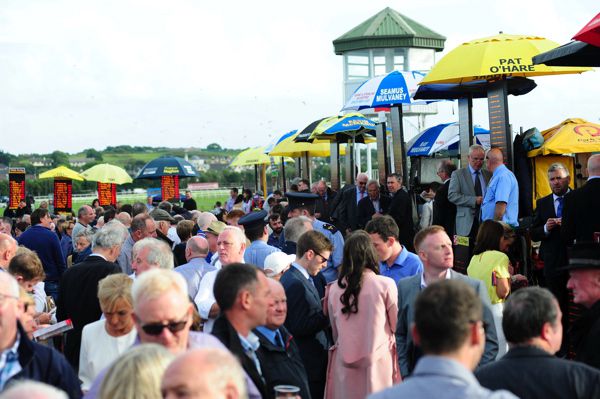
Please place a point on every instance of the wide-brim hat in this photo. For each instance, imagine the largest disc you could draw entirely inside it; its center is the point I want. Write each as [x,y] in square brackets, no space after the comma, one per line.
[584,255]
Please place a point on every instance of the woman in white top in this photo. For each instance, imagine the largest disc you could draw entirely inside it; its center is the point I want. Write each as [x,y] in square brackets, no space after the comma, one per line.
[105,340]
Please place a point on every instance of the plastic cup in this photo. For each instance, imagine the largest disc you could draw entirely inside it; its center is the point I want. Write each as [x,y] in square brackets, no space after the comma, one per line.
[286,391]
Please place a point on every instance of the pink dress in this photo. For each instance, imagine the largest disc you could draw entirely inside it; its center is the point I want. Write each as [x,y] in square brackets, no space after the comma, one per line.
[363,358]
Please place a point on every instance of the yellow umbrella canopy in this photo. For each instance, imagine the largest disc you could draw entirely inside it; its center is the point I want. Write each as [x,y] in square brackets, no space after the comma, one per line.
[571,136]
[289,148]
[255,156]
[61,172]
[493,58]
[107,173]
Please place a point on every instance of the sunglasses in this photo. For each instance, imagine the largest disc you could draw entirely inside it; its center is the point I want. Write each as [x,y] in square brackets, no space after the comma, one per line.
[157,328]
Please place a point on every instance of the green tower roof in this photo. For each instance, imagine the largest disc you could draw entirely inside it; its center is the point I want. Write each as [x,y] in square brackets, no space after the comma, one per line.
[388,28]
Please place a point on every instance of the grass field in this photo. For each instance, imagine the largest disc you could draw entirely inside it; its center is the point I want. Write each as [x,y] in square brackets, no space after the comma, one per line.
[204,199]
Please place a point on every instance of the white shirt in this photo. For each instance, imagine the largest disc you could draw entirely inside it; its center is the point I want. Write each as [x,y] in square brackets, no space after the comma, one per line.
[424,284]
[205,299]
[99,350]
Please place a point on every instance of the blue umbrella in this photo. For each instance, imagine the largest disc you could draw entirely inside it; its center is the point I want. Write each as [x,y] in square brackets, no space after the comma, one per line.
[394,88]
[442,137]
[167,166]
[276,141]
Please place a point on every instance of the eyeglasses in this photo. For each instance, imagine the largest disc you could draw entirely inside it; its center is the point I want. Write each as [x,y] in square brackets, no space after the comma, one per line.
[322,257]
[157,328]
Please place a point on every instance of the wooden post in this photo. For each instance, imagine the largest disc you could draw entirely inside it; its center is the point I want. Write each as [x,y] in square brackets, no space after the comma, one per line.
[398,143]
[465,128]
[382,158]
[334,165]
[500,133]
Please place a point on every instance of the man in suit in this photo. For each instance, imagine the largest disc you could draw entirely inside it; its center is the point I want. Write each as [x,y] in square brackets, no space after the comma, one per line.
[581,215]
[400,209]
[435,251]
[325,202]
[466,190]
[444,211]
[243,294]
[531,322]
[347,210]
[373,205]
[278,353]
[77,297]
[305,319]
[449,327]
[584,280]
[546,227]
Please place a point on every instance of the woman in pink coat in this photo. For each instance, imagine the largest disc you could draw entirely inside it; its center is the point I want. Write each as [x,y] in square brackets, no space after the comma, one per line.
[363,310]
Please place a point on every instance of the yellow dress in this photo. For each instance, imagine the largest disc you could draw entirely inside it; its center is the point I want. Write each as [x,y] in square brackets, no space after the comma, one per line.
[484,266]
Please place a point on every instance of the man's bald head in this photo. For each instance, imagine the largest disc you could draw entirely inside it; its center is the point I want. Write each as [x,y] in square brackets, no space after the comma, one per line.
[593,165]
[205,373]
[8,249]
[494,158]
[196,247]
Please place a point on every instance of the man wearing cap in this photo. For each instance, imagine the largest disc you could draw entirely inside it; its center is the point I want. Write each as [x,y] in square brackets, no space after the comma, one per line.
[584,280]
[212,233]
[277,263]
[163,223]
[304,204]
[255,229]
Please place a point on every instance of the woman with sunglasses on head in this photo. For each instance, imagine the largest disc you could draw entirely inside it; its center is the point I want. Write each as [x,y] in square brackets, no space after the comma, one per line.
[363,310]
[105,340]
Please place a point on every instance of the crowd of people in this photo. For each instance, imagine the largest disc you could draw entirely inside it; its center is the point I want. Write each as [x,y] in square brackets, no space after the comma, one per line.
[311,293]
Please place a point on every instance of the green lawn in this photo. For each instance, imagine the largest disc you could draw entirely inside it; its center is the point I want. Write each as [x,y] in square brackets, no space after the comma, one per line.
[204,199]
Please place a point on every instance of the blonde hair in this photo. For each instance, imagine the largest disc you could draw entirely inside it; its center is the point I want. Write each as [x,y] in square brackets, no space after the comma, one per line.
[25,297]
[137,374]
[27,264]
[112,288]
[156,282]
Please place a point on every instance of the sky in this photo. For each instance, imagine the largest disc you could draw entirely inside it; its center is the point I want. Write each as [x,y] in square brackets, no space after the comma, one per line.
[77,74]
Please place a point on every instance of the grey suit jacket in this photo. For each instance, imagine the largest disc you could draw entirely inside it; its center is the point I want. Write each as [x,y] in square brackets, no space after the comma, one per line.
[462,193]
[408,289]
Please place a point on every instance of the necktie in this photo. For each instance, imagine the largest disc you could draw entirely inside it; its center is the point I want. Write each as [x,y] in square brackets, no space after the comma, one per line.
[362,194]
[559,207]
[278,339]
[478,191]
[310,278]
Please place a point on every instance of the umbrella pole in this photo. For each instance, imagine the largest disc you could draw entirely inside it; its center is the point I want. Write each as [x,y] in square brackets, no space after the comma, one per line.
[465,128]
[382,158]
[283,182]
[398,141]
[500,132]
[255,178]
[334,165]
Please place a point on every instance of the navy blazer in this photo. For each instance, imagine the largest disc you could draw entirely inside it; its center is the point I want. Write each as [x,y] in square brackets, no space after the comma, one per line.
[552,251]
[307,323]
[366,210]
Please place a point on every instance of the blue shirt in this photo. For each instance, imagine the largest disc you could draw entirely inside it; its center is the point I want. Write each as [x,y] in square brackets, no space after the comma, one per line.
[268,333]
[406,264]
[503,187]
[336,238]
[47,246]
[256,253]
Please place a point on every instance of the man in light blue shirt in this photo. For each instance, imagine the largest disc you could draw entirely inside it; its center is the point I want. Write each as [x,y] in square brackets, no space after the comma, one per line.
[256,231]
[396,262]
[449,328]
[196,250]
[501,201]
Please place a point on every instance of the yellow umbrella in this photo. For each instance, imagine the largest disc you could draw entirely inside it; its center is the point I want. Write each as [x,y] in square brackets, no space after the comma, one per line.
[61,172]
[107,173]
[493,58]
[571,136]
[289,148]
[255,156]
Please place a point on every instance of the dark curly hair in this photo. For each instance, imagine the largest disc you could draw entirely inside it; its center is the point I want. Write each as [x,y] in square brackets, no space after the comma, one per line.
[359,254]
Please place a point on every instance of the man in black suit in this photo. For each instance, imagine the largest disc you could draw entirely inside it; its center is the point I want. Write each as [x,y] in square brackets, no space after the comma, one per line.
[78,293]
[278,353]
[324,206]
[243,295]
[444,211]
[531,322]
[546,227]
[346,212]
[400,209]
[373,204]
[305,319]
[581,215]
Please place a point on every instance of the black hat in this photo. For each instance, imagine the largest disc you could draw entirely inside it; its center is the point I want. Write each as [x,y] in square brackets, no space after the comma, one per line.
[301,200]
[584,255]
[253,219]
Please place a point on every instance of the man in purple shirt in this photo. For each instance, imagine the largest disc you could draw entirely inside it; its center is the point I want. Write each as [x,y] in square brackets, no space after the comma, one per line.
[397,262]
